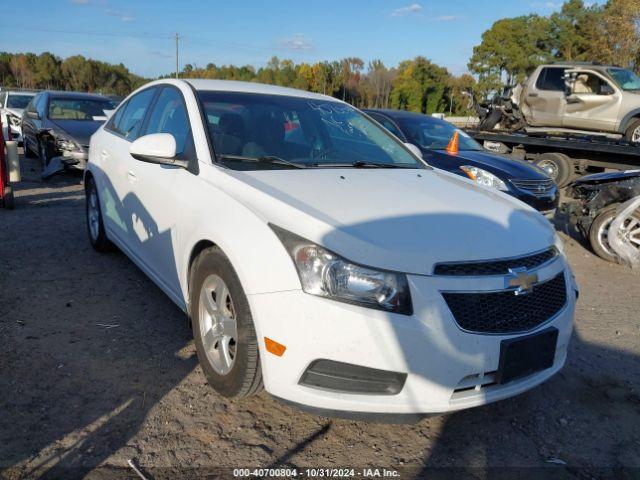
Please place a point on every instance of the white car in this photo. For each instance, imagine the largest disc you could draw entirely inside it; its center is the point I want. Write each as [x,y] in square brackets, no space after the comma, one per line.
[12,104]
[317,255]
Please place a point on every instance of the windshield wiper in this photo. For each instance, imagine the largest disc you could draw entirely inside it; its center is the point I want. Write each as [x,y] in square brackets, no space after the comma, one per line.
[271,159]
[361,164]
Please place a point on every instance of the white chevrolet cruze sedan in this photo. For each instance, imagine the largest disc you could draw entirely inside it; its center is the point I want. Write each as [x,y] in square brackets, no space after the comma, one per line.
[318,256]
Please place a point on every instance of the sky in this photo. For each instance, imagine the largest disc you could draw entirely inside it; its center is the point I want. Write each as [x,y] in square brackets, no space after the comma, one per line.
[141,33]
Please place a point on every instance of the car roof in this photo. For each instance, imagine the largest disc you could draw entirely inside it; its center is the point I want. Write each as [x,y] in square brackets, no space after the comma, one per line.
[252,87]
[19,92]
[76,95]
[403,114]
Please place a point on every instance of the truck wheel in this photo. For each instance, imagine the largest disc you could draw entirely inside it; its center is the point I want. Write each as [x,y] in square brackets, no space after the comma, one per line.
[558,166]
[7,198]
[599,232]
[223,329]
[95,225]
[633,132]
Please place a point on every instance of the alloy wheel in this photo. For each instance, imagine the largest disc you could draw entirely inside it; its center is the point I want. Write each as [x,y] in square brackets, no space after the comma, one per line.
[630,231]
[93,212]
[635,136]
[218,325]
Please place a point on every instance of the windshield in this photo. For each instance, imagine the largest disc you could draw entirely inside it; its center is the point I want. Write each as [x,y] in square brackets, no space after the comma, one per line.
[435,134]
[87,109]
[18,101]
[253,131]
[626,79]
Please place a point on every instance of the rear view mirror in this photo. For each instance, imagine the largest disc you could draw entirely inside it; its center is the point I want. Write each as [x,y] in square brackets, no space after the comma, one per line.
[157,148]
[415,150]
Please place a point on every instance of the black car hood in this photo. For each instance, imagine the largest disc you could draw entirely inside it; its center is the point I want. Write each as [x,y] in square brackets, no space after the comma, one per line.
[500,165]
[78,130]
[598,178]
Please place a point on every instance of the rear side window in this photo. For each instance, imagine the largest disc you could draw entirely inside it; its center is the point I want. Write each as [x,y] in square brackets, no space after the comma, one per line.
[551,79]
[169,115]
[128,120]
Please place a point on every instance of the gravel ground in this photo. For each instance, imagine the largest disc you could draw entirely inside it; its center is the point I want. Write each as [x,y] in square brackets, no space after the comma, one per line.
[98,367]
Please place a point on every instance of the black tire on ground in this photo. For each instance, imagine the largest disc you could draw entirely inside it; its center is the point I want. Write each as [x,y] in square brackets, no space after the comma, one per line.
[598,233]
[7,198]
[99,240]
[633,131]
[245,376]
[27,151]
[43,153]
[558,166]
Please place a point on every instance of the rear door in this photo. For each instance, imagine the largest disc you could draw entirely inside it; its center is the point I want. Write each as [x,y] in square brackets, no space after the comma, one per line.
[546,98]
[594,102]
[115,166]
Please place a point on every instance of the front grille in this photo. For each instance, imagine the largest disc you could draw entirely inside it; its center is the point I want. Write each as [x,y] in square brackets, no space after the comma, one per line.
[536,187]
[495,267]
[506,312]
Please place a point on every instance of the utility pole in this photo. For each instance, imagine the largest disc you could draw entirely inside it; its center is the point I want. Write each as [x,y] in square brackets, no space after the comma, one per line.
[177,63]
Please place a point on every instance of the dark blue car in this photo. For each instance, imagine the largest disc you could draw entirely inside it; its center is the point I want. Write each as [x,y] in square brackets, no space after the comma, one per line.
[432,136]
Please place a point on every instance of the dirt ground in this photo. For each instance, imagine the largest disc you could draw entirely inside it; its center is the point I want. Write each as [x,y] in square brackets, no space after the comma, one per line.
[97,367]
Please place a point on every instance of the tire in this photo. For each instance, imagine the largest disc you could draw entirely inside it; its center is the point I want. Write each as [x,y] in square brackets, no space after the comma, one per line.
[95,225]
[229,358]
[43,153]
[632,135]
[558,166]
[598,233]
[27,151]
[7,198]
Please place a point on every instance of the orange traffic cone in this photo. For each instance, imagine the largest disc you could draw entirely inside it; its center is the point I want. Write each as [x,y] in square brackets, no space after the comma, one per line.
[452,148]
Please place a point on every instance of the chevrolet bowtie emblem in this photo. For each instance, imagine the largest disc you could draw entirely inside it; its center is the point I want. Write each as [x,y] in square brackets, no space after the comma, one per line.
[522,280]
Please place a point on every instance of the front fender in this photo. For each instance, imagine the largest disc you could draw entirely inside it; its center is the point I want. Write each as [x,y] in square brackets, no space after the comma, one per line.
[626,120]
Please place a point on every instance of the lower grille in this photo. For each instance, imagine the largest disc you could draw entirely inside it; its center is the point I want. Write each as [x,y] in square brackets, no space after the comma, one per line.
[536,187]
[505,312]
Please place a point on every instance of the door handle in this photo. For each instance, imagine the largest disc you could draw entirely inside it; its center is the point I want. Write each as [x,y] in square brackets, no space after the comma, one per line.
[131,176]
[104,155]
[532,95]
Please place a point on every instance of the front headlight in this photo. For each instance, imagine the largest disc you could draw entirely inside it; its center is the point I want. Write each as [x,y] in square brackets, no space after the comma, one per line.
[484,178]
[14,121]
[67,145]
[325,274]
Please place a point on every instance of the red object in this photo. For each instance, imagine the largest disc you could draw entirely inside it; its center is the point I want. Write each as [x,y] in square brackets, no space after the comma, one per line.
[4,171]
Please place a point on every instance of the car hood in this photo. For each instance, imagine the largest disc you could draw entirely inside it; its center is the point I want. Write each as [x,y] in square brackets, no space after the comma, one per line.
[15,111]
[501,165]
[398,219]
[606,177]
[78,130]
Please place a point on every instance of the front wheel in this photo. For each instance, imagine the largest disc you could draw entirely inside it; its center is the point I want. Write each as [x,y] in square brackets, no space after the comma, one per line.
[223,329]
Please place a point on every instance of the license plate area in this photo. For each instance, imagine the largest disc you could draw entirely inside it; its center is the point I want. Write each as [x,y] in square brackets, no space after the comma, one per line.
[524,356]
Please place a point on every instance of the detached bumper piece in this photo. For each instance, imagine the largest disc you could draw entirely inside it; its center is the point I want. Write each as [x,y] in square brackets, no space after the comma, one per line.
[348,378]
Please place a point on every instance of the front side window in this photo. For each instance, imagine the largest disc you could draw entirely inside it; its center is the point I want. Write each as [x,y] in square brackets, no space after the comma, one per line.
[388,124]
[255,131]
[18,101]
[169,115]
[626,79]
[551,79]
[127,121]
[435,134]
[82,109]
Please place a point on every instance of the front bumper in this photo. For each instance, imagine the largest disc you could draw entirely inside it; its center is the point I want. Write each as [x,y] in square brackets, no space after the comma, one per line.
[446,368]
[543,203]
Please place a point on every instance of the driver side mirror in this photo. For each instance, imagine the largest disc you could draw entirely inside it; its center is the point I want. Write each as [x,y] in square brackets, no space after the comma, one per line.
[159,148]
[414,149]
[33,115]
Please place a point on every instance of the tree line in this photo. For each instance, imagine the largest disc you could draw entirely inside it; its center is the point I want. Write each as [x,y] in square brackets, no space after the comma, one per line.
[509,50]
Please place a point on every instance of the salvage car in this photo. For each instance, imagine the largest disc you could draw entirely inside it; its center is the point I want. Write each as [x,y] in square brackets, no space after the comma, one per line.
[433,136]
[12,104]
[596,201]
[572,98]
[316,255]
[58,125]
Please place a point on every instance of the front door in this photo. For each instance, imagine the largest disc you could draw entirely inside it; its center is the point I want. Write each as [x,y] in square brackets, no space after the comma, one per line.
[594,102]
